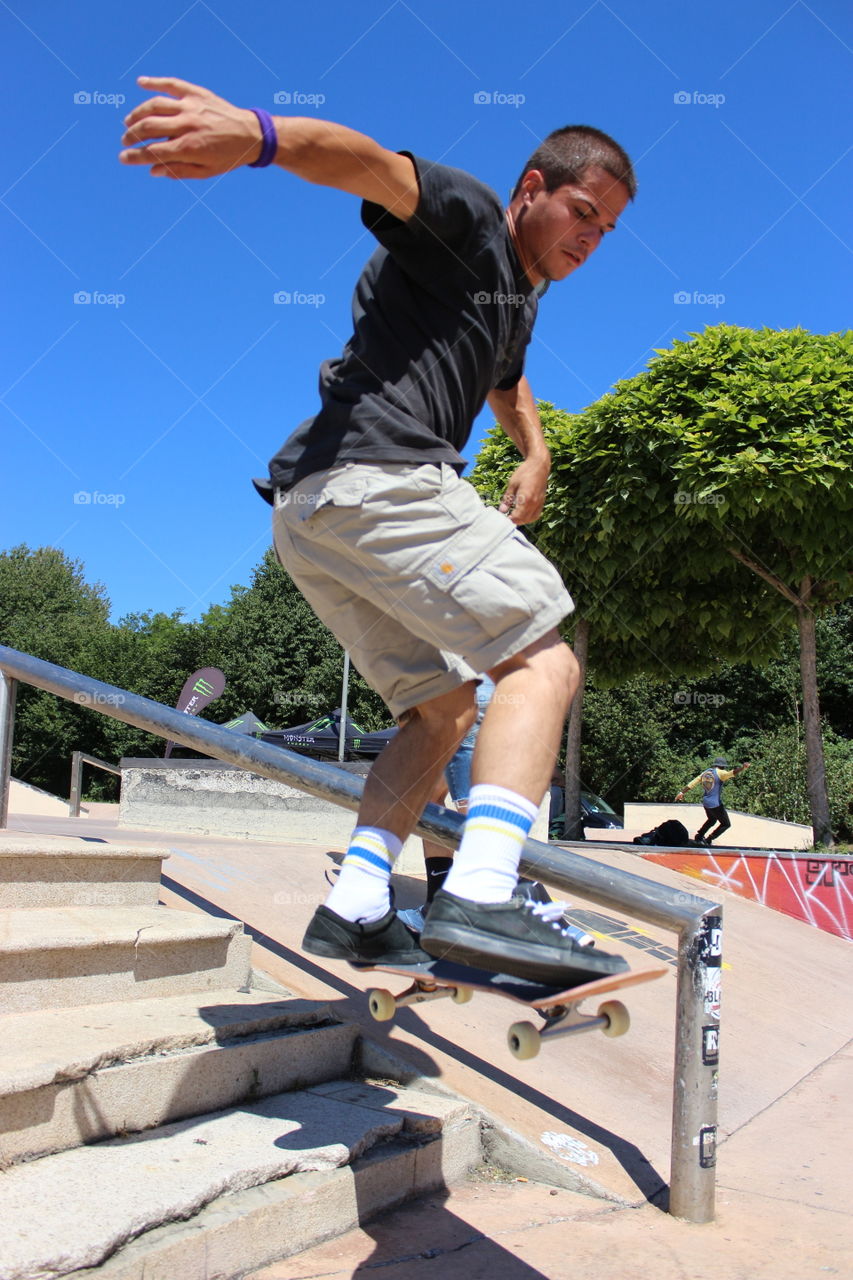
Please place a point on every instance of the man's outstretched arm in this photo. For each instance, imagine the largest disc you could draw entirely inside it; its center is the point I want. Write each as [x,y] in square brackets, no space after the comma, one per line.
[518,415]
[186,131]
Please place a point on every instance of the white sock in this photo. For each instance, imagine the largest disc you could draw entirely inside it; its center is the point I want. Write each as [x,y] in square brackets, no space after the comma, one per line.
[361,891]
[485,868]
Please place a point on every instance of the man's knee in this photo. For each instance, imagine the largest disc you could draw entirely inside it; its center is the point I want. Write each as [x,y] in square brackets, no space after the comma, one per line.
[551,657]
[448,717]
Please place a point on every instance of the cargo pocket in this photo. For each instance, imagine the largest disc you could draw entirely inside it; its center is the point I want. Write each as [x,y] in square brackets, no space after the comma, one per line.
[491,572]
[346,489]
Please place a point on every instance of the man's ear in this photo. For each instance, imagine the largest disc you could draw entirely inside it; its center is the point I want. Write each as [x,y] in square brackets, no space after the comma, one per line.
[532,182]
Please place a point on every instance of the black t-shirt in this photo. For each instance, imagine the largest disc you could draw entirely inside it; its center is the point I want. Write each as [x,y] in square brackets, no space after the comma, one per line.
[442,314]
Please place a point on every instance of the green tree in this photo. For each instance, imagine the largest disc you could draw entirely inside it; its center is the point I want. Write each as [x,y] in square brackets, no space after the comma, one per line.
[703,507]
[47,609]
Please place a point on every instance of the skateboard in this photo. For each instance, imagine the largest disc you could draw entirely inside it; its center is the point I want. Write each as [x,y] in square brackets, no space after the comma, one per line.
[439,979]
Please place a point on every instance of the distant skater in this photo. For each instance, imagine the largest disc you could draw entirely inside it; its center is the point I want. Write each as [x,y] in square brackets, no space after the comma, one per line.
[712,780]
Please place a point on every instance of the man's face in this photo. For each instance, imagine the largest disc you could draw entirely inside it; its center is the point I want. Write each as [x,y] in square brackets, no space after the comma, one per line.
[558,230]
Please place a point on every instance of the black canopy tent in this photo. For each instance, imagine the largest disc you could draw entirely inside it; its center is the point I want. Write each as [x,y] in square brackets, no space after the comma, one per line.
[247,722]
[321,738]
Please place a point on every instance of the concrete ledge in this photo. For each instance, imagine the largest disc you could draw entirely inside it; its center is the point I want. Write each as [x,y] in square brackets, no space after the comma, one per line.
[206,797]
[168,1086]
[748,831]
[176,1172]
[57,957]
[69,872]
[249,1229]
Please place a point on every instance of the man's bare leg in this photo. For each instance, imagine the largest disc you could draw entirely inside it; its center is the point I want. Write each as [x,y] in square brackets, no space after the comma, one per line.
[406,775]
[533,693]
[512,766]
[477,918]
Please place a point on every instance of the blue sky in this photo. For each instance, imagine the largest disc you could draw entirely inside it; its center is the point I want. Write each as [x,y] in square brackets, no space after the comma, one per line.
[158,399]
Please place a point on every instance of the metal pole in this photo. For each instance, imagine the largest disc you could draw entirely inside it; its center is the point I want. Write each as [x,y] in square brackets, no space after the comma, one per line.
[342,735]
[697,1055]
[8,693]
[76,781]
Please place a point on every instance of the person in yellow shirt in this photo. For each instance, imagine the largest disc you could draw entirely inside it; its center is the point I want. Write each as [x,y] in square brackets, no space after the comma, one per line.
[712,780]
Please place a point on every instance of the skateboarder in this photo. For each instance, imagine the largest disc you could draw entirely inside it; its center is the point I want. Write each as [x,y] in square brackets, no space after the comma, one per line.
[712,780]
[397,554]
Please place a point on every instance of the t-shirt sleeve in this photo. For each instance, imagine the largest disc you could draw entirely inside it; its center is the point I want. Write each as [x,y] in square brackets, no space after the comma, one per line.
[456,217]
[514,375]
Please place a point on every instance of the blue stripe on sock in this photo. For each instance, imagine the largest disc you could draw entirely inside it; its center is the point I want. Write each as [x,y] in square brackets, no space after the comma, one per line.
[366,855]
[510,816]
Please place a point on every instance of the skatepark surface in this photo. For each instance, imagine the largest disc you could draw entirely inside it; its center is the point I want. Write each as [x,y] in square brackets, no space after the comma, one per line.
[587,1109]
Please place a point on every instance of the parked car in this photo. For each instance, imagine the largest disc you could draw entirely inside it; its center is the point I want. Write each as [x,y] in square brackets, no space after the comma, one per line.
[595,812]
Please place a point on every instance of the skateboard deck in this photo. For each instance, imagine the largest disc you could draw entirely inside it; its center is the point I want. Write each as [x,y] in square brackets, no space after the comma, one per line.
[435,979]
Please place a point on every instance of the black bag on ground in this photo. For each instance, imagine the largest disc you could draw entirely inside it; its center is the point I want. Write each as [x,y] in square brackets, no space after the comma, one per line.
[671,832]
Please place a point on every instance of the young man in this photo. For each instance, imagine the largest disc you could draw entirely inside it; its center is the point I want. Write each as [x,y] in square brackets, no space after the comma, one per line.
[712,780]
[399,557]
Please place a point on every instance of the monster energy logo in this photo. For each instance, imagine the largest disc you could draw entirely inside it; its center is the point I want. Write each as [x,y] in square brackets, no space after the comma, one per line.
[201,686]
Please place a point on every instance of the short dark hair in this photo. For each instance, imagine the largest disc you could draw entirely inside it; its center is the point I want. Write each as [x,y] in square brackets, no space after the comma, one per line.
[567,153]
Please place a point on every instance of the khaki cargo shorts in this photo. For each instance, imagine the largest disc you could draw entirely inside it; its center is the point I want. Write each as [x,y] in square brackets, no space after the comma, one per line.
[421,582]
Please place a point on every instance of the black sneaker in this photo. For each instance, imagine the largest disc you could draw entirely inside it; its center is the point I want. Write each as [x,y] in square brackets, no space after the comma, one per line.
[386,941]
[536,891]
[514,937]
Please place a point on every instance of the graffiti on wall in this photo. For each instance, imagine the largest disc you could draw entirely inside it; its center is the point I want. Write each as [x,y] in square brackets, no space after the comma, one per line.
[815,888]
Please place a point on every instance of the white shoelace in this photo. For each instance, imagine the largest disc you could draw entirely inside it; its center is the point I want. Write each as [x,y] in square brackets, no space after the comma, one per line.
[552,913]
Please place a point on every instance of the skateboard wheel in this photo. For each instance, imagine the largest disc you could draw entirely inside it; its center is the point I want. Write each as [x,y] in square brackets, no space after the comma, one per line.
[382,1005]
[461,995]
[618,1017]
[523,1040]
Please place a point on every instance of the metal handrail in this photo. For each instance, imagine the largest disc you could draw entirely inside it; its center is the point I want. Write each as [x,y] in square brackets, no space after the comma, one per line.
[78,759]
[697,921]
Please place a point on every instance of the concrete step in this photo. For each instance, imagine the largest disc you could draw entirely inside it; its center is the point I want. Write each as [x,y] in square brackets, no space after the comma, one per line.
[228,1175]
[52,872]
[55,957]
[73,1076]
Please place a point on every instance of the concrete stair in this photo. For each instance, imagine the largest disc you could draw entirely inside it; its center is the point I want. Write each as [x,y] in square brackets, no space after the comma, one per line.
[167,1112]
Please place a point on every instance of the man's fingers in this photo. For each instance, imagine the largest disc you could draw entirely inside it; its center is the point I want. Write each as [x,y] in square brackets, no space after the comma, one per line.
[153,107]
[147,130]
[159,153]
[169,84]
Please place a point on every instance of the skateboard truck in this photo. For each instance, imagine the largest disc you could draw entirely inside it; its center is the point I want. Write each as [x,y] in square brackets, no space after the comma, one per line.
[524,1039]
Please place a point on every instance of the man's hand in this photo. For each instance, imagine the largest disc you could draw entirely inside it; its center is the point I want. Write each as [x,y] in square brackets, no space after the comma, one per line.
[516,411]
[193,134]
[680,796]
[525,494]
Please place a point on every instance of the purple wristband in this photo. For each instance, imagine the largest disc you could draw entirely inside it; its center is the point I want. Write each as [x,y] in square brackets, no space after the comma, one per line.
[270,143]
